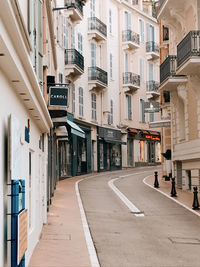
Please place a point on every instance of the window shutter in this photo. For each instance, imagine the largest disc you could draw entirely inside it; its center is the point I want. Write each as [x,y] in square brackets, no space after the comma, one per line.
[93,54]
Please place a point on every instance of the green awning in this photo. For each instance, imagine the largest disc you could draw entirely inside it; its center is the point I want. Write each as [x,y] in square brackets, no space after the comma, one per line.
[75,129]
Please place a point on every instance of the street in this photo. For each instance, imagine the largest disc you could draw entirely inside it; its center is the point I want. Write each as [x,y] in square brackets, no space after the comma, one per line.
[167,234]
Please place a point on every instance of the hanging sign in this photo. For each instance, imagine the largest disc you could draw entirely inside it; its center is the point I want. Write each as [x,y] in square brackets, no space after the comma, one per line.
[151,107]
[58,96]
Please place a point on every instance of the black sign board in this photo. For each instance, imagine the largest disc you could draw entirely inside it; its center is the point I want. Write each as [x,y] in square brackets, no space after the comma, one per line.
[58,96]
[109,133]
[151,107]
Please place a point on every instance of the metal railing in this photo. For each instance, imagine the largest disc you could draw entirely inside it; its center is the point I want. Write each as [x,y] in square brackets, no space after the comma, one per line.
[152,47]
[152,86]
[75,4]
[168,68]
[95,73]
[189,46]
[130,36]
[96,24]
[72,56]
[131,78]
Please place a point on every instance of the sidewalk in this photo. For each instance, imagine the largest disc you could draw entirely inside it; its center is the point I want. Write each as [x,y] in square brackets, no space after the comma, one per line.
[183,197]
[62,242]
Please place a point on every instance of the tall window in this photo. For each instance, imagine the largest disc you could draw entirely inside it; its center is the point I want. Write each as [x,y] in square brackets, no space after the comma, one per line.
[129,107]
[110,115]
[73,37]
[94,106]
[93,54]
[80,43]
[151,117]
[73,98]
[151,71]
[127,20]
[92,8]
[111,66]
[141,24]
[142,114]
[150,33]
[110,21]
[125,62]
[141,68]
[81,101]
[65,33]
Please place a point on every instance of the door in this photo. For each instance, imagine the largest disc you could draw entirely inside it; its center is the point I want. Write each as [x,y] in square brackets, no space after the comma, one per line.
[130,152]
[179,174]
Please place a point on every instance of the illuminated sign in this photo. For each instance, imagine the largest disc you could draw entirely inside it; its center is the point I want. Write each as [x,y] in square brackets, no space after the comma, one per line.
[156,138]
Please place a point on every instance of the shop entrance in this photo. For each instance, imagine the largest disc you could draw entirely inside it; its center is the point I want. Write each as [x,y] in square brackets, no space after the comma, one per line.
[151,152]
[64,160]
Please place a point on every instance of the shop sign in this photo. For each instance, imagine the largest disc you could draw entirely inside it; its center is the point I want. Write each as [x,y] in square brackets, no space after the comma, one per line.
[151,107]
[155,138]
[58,96]
[109,133]
[22,235]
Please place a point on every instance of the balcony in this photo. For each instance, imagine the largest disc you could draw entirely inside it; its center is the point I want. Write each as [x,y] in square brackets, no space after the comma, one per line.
[168,10]
[130,39]
[188,54]
[97,29]
[74,10]
[152,90]
[97,78]
[131,82]
[169,80]
[152,50]
[74,64]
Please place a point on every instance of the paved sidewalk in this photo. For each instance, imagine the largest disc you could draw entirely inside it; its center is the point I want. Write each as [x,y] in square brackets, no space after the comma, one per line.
[184,197]
[62,242]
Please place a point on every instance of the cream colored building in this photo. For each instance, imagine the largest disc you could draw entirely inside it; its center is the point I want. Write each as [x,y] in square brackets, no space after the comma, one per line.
[179,75]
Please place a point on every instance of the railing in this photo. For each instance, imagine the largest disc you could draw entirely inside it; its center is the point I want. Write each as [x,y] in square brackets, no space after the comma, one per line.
[161,2]
[131,78]
[95,73]
[152,47]
[168,68]
[189,46]
[74,4]
[72,56]
[130,36]
[95,24]
[152,86]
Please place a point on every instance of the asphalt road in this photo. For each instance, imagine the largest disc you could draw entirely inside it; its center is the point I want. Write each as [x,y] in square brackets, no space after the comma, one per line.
[167,234]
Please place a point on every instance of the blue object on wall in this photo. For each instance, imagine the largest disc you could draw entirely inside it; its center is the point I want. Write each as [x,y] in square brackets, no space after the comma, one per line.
[27,135]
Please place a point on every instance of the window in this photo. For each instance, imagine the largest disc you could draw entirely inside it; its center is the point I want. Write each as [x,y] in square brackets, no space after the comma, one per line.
[92,8]
[151,71]
[73,37]
[151,117]
[110,21]
[141,24]
[165,33]
[111,66]
[129,107]
[141,68]
[73,98]
[94,106]
[125,62]
[65,33]
[81,101]
[150,33]
[80,43]
[110,115]
[142,114]
[93,54]
[127,20]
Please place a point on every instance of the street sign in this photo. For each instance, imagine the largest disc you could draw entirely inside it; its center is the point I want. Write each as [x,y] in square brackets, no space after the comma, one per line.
[151,107]
[58,96]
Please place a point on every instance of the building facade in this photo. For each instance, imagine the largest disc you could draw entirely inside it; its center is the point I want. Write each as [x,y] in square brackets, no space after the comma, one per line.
[179,75]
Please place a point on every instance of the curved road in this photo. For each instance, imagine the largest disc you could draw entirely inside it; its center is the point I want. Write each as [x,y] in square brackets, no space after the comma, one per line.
[167,234]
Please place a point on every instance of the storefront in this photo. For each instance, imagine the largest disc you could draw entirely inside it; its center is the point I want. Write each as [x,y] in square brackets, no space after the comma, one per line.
[109,149]
[143,147]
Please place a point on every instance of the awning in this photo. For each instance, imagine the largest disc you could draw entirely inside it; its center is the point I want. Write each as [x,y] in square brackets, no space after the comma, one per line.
[145,132]
[113,141]
[154,133]
[132,130]
[75,129]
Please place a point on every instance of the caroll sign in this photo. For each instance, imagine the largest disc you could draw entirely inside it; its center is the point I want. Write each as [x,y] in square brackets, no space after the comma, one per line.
[58,96]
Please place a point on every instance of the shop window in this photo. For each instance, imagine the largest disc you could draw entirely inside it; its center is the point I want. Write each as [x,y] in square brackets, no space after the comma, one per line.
[142,151]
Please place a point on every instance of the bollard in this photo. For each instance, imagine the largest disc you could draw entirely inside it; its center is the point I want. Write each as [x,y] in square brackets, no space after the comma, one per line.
[195,204]
[173,191]
[156,184]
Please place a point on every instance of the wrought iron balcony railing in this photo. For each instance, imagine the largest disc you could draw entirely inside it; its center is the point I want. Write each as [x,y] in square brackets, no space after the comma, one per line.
[73,57]
[130,36]
[188,47]
[96,24]
[97,74]
[168,68]
[152,47]
[75,4]
[131,78]
[152,86]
